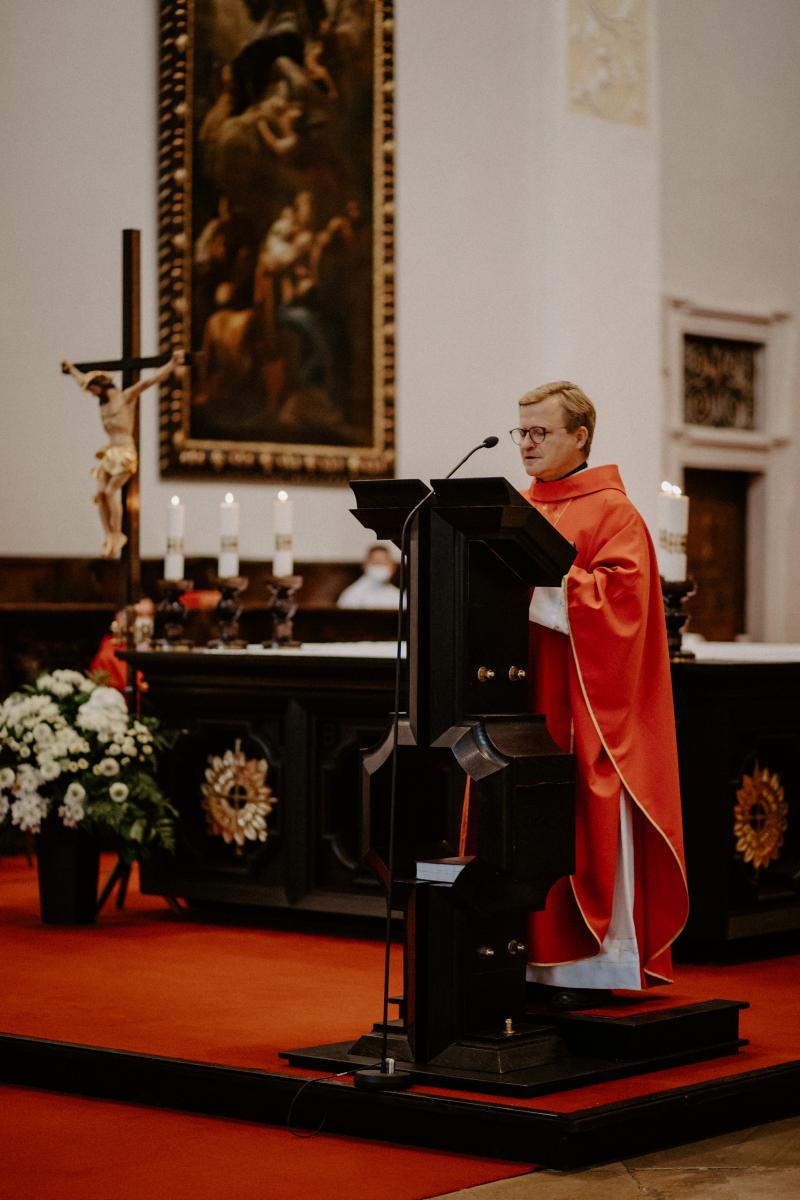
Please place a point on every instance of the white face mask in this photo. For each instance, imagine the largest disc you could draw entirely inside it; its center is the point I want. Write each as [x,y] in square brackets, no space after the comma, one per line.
[378,572]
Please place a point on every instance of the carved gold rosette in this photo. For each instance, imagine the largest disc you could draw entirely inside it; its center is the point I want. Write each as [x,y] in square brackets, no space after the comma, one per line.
[760,817]
[236,799]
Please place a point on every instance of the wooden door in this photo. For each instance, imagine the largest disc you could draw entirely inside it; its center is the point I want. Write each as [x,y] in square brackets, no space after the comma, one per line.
[717,551]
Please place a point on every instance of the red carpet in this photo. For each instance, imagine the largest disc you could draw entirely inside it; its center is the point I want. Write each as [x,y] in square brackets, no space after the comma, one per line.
[144,980]
[69,1148]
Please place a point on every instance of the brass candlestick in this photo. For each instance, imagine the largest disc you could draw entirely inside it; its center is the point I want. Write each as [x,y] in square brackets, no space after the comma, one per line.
[170,618]
[282,607]
[676,593]
[227,613]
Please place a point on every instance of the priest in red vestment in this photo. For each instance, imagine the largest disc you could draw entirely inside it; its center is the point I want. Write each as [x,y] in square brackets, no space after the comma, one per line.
[599,671]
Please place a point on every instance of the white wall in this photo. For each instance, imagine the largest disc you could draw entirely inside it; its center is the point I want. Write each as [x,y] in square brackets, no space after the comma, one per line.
[730,203]
[730,79]
[470,257]
[529,239]
[77,89]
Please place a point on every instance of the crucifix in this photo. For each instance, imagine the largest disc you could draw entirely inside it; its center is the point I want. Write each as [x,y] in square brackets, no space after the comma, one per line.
[117,472]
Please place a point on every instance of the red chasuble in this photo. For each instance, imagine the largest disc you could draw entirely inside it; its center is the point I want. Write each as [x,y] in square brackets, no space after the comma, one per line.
[606,693]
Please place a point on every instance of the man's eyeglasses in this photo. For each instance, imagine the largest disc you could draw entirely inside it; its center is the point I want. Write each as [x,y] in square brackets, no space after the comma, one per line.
[537,434]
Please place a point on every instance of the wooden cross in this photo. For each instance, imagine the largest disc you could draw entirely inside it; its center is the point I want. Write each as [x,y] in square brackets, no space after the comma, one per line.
[130,364]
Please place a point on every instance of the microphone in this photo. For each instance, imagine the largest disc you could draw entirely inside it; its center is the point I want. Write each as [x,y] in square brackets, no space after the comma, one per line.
[486,444]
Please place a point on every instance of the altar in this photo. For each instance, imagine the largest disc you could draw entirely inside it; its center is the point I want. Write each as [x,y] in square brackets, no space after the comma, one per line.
[292,724]
[283,731]
[737,712]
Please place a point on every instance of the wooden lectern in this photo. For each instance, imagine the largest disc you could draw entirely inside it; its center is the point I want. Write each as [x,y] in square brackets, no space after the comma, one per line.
[476,548]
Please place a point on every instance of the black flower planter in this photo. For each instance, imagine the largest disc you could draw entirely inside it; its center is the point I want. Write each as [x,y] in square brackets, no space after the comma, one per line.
[68,866]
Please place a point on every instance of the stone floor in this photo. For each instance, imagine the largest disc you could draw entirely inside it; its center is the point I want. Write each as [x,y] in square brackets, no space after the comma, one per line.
[762,1163]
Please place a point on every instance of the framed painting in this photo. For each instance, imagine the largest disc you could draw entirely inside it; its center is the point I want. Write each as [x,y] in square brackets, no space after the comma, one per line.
[276,238]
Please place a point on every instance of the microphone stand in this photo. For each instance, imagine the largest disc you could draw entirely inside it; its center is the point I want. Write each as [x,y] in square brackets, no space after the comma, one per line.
[385,1077]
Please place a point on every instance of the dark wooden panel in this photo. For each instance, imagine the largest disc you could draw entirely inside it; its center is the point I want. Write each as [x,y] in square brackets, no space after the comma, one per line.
[731,718]
[54,611]
[310,718]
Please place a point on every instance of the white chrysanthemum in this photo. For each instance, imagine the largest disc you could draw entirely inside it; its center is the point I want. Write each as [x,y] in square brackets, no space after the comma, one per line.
[66,675]
[55,684]
[107,698]
[6,777]
[26,712]
[68,742]
[4,807]
[28,811]
[76,792]
[28,779]
[49,769]
[104,712]
[129,746]
[108,766]
[61,683]
[118,792]
[71,810]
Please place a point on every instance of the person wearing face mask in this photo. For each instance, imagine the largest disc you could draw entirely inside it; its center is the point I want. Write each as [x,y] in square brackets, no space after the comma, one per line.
[374,588]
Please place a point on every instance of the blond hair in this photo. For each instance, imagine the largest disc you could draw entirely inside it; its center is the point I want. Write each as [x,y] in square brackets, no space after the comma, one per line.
[576,406]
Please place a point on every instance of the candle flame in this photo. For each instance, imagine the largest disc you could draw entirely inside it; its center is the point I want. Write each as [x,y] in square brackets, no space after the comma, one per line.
[229,497]
[175,500]
[676,491]
[666,486]
[283,496]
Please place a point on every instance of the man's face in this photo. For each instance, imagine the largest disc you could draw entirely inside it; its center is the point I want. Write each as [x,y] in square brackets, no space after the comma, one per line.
[561,451]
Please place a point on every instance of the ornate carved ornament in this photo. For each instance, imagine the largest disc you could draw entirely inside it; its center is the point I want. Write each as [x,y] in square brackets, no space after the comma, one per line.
[236,799]
[760,817]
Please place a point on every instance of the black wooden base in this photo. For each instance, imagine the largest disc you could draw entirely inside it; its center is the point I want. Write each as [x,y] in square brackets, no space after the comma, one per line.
[562,1140]
[551,1053]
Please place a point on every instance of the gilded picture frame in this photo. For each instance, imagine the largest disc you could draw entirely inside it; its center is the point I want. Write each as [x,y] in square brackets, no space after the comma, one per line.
[276,238]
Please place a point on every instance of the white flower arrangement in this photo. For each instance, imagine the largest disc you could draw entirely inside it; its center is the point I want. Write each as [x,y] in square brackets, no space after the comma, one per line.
[70,748]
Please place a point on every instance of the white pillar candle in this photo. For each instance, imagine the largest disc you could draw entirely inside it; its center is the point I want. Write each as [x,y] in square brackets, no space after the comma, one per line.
[176,524]
[228,561]
[282,560]
[673,525]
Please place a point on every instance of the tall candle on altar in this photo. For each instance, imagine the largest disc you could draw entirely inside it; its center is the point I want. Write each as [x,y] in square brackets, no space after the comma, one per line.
[176,524]
[282,560]
[228,561]
[673,525]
